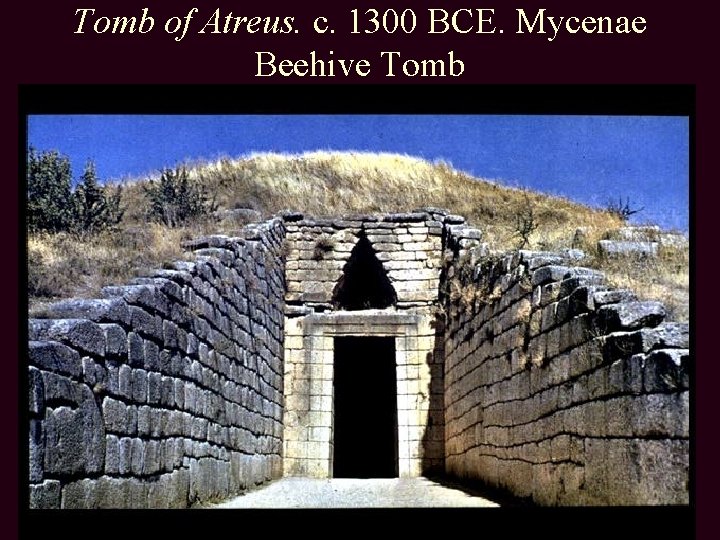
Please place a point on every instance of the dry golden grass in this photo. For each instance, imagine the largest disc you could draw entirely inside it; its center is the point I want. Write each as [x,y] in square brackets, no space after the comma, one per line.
[331,183]
[318,184]
[665,278]
[63,265]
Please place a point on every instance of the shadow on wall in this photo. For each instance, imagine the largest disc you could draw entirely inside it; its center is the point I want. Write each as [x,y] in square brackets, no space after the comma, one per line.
[433,438]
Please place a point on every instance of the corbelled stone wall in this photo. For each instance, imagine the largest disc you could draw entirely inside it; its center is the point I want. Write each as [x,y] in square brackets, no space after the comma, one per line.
[168,391]
[560,389]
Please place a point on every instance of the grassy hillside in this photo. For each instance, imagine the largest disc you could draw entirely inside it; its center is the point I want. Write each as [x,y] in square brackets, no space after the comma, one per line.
[324,183]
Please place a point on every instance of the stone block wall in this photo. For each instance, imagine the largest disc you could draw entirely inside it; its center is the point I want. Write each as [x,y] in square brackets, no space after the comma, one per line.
[168,391]
[560,389]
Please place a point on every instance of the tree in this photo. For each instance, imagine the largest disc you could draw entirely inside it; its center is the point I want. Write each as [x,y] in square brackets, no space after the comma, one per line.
[94,210]
[175,200]
[53,206]
[623,211]
[49,179]
[525,224]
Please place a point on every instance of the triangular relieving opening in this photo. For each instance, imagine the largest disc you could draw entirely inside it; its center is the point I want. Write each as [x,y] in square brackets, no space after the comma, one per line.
[364,283]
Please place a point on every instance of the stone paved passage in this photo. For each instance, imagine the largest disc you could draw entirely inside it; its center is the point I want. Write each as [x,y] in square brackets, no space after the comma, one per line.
[355,493]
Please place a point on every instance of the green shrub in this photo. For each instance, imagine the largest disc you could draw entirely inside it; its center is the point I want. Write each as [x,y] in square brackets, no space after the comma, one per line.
[49,195]
[53,206]
[176,200]
[94,209]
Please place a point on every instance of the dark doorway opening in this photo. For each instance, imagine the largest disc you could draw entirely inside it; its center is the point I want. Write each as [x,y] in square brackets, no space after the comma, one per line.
[365,409]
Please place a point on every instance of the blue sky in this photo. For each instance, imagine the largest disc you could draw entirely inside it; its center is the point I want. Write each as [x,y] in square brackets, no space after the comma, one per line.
[591,159]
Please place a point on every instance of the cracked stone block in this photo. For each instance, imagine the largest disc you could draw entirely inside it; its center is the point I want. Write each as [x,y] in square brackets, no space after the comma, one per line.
[75,437]
[36,449]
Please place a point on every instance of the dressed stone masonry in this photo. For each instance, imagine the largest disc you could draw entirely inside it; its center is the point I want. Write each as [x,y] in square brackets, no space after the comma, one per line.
[519,370]
[560,389]
[168,391]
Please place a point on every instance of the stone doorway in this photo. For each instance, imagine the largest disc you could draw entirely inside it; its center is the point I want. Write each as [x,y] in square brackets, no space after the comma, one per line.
[310,342]
[365,442]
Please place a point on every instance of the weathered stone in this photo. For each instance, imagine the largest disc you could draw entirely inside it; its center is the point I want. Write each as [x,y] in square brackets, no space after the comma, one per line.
[408,216]
[223,377]
[36,391]
[630,315]
[580,301]
[536,262]
[135,347]
[112,454]
[668,414]
[110,310]
[94,375]
[114,415]
[170,334]
[37,446]
[154,387]
[75,438]
[453,219]
[637,234]
[84,335]
[125,381]
[144,323]
[667,369]
[297,311]
[45,495]
[549,273]
[137,456]
[613,248]
[396,256]
[151,356]
[146,296]
[626,375]
[115,340]
[666,335]
[125,455]
[139,385]
[601,298]
[56,357]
